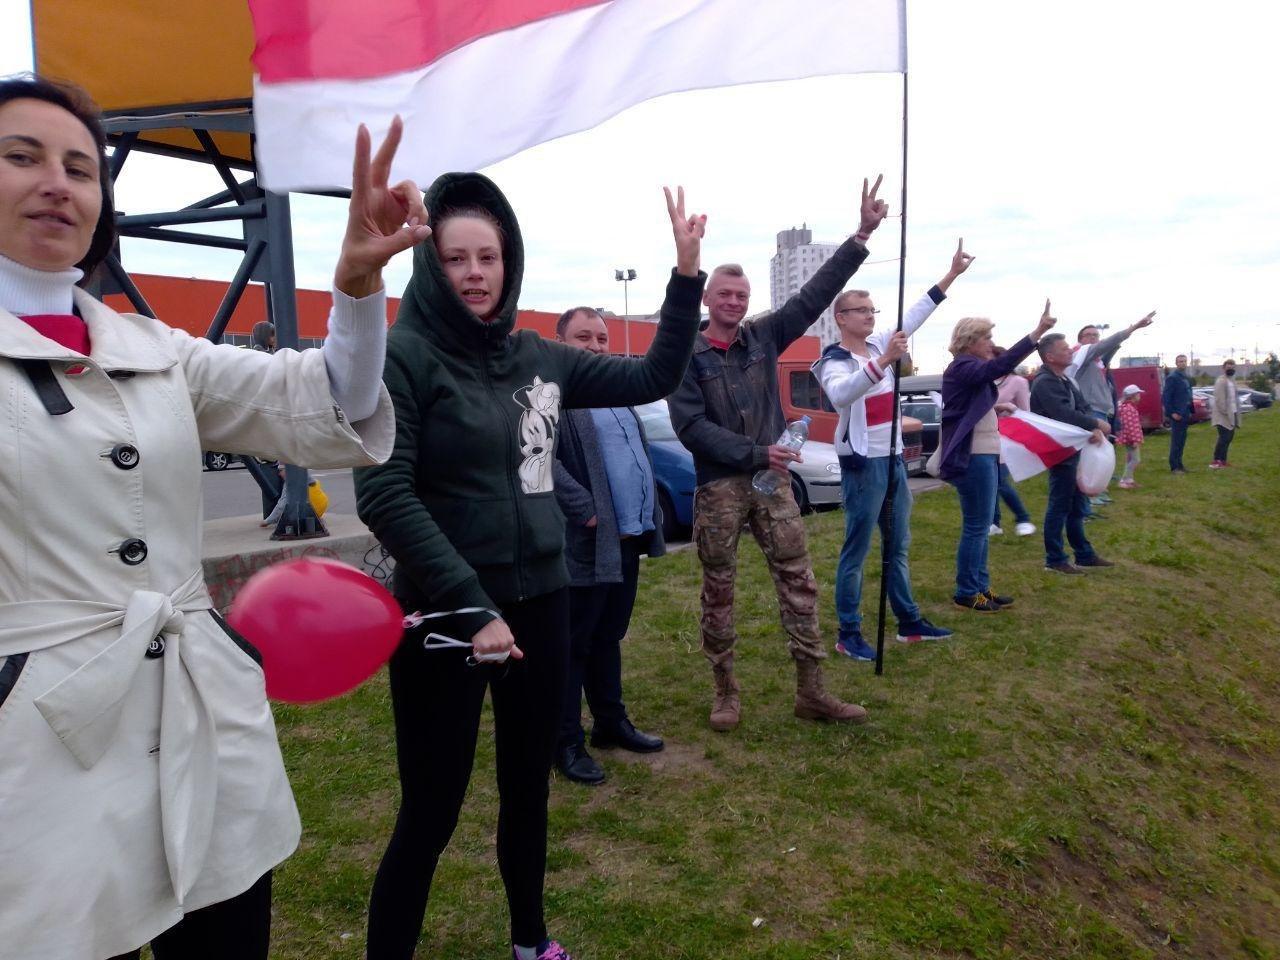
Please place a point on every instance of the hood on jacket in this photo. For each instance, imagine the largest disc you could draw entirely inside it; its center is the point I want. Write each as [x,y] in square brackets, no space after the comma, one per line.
[429,299]
[832,351]
[261,335]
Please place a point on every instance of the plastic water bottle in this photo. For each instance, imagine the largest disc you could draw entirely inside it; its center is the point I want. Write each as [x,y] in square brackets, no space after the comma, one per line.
[767,481]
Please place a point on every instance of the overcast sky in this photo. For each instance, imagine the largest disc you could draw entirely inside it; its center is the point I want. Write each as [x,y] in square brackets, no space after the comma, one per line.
[1117,157]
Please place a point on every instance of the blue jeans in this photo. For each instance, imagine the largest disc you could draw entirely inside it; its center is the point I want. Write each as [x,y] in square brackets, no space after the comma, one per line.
[1177,440]
[1009,493]
[977,489]
[1067,507]
[863,492]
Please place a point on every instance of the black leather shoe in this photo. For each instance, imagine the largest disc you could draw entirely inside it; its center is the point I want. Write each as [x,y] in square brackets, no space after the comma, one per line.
[576,764]
[625,736]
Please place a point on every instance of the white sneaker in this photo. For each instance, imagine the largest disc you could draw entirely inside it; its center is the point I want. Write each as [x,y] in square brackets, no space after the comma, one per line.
[1025,529]
[994,531]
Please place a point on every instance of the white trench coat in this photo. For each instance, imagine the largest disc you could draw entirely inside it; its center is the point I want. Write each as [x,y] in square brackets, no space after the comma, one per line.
[140,777]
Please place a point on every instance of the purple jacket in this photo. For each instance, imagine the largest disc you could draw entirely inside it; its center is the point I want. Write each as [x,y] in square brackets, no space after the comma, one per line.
[968,392]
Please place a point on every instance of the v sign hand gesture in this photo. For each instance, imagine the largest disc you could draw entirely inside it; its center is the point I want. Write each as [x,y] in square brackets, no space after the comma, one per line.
[873,210]
[689,231]
[381,220]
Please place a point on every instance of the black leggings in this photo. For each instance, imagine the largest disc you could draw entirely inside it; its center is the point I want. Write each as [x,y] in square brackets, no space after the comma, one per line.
[239,927]
[436,699]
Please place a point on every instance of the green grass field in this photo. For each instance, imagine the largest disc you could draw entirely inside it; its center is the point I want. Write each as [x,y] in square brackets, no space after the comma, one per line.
[1092,774]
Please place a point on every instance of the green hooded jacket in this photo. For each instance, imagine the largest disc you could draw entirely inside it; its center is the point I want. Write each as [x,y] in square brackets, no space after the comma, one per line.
[466,504]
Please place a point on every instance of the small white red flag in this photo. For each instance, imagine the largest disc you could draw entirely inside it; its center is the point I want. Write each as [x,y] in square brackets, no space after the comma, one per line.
[477,81]
[1031,444]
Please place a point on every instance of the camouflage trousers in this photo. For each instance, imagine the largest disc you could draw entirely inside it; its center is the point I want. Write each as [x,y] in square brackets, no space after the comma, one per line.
[720,510]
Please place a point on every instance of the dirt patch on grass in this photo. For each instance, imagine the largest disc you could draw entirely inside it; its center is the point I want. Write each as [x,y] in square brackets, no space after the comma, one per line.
[683,759]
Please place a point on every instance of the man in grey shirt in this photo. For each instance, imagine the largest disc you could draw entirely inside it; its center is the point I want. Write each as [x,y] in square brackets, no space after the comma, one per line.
[1089,361]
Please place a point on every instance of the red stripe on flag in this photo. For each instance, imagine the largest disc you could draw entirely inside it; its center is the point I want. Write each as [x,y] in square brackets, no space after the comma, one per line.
[879,409]
[354,39]
[1035,440]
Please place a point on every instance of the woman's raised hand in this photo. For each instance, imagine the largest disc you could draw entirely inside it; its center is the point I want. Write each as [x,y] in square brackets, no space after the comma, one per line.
[689,231]
[381,220]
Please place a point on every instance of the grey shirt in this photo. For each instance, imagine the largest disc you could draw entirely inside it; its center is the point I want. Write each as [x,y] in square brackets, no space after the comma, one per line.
[1088,370]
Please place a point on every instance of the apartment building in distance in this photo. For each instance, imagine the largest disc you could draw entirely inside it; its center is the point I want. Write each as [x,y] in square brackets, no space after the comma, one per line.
[797,259]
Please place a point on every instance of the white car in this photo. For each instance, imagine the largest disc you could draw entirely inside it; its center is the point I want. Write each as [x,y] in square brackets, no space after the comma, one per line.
[816,481]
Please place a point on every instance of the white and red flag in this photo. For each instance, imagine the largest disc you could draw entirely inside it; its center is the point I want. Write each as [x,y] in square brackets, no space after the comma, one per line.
[477,81]
[1031,444]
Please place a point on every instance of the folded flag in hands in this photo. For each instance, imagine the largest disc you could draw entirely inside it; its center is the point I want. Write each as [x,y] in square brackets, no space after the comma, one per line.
[1031,444]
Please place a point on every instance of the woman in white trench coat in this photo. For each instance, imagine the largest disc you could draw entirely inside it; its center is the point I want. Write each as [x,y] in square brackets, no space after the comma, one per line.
[142,792]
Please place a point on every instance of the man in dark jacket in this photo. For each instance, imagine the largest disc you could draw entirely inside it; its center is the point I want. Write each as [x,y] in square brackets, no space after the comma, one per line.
[1055,395]
[727,412]
[1176,397]
[604,485]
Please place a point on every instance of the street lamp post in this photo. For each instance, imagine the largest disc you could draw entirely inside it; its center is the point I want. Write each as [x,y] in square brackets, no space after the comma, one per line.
[625,275]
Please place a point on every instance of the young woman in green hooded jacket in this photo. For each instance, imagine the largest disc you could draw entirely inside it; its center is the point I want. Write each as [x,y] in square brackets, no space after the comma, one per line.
[466,506]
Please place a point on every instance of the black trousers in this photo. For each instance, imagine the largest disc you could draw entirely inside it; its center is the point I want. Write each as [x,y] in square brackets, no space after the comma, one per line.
[437,699]
[239,927]
[598,619]
[1225,436]
[1177,441]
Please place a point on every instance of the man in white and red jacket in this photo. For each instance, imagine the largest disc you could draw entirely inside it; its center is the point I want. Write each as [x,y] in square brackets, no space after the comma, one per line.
[857,376]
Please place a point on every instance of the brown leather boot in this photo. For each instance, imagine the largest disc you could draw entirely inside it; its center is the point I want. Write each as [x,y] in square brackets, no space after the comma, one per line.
[725,711]
[814,703]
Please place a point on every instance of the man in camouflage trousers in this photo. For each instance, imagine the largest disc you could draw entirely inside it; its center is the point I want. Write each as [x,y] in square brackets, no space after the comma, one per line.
[727,412]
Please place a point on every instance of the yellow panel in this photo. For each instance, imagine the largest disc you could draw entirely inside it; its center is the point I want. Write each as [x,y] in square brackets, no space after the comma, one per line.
[143,54]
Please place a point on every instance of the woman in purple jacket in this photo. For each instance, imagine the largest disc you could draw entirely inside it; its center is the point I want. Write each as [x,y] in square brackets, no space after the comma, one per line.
[970,443]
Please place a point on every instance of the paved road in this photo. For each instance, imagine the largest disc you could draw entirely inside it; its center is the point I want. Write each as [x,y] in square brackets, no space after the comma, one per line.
[233,493]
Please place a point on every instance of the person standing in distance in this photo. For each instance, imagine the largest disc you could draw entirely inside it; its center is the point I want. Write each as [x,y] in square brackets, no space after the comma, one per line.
[604,485]
[1226,414]
[727,412]
[1176,398]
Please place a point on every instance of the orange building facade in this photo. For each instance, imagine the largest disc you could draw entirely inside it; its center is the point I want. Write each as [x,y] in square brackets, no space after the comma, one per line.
[189,304]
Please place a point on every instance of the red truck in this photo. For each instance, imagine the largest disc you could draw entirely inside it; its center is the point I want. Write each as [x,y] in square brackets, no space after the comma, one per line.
[802,395]
[1150,378]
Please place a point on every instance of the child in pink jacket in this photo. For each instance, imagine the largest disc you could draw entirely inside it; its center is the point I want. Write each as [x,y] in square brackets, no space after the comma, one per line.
[1130,435]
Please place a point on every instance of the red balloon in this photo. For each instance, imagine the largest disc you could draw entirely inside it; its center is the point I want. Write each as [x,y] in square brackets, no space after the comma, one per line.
[323,627]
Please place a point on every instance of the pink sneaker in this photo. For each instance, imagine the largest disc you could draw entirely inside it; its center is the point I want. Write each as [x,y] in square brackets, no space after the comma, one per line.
[1126,484]
[547,950]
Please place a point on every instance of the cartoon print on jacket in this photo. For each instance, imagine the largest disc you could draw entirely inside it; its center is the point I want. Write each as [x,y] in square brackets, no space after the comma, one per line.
[538,434]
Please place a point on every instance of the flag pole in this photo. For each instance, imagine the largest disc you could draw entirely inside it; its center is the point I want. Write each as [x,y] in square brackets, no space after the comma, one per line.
[886,509]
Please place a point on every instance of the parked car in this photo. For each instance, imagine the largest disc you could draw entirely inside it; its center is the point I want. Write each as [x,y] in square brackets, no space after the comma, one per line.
[672,469]
[930,417]
[802,395]
[814,483]
[1201,406]
[1259,398]
[216,461]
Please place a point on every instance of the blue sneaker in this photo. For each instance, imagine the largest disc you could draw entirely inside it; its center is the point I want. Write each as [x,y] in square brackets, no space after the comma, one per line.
[920,630]
[854,647]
